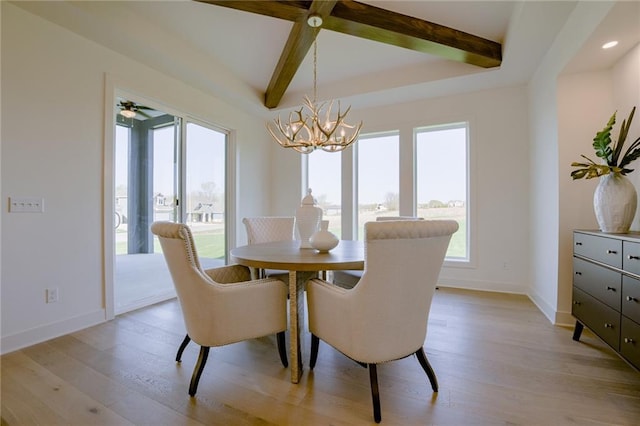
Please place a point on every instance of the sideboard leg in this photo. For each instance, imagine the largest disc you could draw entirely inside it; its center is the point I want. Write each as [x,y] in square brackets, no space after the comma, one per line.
[577,331]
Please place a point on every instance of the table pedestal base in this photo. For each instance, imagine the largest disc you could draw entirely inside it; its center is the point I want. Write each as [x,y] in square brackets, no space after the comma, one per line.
[297,282]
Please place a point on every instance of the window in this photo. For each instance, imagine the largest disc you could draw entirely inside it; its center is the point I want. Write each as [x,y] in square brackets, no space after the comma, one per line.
[432,164]
[441,180]
[325,180]
[378,178]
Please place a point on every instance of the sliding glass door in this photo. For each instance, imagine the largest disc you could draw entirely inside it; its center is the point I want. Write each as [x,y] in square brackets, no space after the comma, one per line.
[166,168]
[205,197]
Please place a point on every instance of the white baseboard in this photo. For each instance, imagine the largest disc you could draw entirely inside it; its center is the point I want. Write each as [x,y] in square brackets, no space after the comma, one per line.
[565,319]
[555,317]
[483,285]
[546,309]
[23,339]
[559,318]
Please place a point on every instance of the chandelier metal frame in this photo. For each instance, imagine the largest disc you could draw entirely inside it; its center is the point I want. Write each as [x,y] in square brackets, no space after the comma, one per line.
[315,125]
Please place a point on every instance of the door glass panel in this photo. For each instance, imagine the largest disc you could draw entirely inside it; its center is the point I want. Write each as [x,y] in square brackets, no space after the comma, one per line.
[145,191]
[378,178]
[205,204]
[123,135]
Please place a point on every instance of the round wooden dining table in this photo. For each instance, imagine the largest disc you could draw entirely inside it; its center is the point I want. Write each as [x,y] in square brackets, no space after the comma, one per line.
[302,265]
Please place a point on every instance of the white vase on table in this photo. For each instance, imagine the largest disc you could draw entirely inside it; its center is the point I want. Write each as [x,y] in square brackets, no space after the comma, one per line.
[308,218]
[323,240]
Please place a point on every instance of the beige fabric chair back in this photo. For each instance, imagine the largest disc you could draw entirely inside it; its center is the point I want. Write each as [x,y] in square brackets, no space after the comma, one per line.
[268,229]
[220,305]
[387,311]
[383,218]
[209,308]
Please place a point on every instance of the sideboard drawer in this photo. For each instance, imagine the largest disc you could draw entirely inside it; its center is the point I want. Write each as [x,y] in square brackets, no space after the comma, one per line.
[601,319]
[630,341]
[631,257]
[631,298]
[602,283]
[601,249]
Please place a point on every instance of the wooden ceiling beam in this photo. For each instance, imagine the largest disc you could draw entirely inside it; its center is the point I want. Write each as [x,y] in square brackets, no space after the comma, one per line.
[300,40]
[373,23]
[365,21]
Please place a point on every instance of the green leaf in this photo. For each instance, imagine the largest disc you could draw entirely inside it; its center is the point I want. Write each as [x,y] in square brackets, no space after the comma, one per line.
[602,141]
[622,137]
[632,154]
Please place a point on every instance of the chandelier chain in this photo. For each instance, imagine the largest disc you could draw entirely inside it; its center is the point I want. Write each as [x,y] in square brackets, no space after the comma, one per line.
[315,126]
[315,70]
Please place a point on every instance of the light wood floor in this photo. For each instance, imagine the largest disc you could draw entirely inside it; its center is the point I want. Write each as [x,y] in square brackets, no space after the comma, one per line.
[498,362]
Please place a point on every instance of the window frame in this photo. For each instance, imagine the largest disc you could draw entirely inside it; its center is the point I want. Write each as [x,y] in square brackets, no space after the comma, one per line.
[449,261]
[407,180]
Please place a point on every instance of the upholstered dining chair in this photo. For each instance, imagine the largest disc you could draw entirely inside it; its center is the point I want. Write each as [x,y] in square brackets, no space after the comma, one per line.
[220,305]
[267,229]
[349,278]
[384,317]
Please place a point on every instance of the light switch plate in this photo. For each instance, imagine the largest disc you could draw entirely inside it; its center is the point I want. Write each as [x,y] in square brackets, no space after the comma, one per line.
[26,205]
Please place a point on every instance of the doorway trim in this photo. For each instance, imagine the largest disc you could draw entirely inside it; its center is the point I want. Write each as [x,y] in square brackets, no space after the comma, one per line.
[114,88]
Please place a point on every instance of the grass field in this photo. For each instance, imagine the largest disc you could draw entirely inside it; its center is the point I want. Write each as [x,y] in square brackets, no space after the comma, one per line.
[209,238]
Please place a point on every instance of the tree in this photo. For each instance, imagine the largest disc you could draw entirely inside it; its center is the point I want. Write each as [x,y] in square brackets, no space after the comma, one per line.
[392,201]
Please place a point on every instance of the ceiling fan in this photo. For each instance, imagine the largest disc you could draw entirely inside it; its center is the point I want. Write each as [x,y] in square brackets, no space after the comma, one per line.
[130,109]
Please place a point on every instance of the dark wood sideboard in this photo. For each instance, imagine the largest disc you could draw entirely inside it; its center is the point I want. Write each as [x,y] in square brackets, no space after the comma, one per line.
[606,289]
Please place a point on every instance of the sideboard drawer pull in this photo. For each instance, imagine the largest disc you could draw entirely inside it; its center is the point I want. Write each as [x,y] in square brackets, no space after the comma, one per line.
[607,325]
[611,288]
[632,257]
[612,252]
[578,273]
[575,302]
[631,299]
[578,243]
[629,340]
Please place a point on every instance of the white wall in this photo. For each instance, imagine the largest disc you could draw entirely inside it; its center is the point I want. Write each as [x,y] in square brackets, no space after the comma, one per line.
[625,79]
[582,113]
[559,112]
[52,147]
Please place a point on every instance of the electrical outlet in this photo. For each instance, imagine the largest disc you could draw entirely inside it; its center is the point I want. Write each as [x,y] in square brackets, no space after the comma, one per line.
[52,295]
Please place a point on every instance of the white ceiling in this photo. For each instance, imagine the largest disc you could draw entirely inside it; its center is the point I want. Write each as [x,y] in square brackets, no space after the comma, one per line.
[232,54]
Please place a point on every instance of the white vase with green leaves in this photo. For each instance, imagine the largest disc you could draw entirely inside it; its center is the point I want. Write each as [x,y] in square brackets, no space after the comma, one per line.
[615,199]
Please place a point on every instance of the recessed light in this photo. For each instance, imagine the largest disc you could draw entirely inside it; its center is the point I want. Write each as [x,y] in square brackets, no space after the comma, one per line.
[610,44]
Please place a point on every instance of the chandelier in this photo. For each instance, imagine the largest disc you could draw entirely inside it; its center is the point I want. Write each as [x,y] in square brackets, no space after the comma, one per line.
[315,125]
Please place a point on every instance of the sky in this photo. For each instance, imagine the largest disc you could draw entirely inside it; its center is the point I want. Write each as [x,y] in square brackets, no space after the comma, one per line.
[205,158]
[440,159]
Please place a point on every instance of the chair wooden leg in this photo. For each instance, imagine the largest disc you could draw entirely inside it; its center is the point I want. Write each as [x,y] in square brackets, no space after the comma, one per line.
[422,358]
[183,345]
[282,348]
[197,371]
[375,394]
[315,343]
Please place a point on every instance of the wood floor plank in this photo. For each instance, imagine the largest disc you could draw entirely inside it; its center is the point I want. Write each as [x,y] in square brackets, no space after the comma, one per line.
[497,358]
[59,396]
[20,406]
